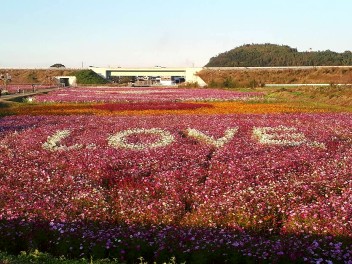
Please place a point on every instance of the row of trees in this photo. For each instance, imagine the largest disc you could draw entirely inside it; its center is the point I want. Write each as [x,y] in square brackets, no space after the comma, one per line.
[272,55]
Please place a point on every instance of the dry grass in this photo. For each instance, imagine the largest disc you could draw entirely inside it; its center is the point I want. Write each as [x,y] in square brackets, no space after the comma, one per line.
[329,97]
[242,77]
[36,76]
[279,76]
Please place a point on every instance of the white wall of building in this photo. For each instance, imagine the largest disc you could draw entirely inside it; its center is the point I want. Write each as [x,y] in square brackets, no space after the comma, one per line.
[72,80]
[190,74]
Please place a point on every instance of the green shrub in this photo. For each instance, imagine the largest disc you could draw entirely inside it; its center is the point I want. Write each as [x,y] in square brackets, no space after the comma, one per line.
[229,83]
[89,77]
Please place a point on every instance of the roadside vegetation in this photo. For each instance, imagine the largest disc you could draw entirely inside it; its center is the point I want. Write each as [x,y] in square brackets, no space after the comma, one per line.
[38,257]
[260,77]
[330,96]
[45,76]
[35,76]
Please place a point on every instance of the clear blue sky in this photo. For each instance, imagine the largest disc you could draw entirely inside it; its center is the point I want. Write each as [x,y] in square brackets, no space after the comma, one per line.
[131,33]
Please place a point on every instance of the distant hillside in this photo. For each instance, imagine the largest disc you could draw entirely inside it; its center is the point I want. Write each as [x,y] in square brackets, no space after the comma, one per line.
[36,76]
[271,55]
[45,76]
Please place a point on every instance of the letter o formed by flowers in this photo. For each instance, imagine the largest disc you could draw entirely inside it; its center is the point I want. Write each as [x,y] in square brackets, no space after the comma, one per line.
[119,140]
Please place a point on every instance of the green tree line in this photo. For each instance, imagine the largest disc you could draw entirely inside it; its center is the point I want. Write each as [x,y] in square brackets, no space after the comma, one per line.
[272,55]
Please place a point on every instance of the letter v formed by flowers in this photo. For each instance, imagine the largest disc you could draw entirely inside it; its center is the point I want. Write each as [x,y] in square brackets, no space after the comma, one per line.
[210,140]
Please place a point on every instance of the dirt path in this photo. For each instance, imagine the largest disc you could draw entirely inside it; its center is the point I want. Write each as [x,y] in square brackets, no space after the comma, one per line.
[11,97]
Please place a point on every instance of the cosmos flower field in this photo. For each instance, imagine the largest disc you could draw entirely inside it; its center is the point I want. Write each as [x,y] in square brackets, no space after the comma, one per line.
[154,94]
[253,187]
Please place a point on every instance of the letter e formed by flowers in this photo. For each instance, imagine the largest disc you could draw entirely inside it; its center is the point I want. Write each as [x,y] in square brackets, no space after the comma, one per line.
[120,139]
[282,135]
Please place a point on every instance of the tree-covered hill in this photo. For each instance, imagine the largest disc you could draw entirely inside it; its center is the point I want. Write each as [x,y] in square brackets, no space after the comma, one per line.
[271,55]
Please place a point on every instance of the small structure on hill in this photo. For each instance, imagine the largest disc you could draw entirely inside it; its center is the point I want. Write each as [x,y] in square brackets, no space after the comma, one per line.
[66,81]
